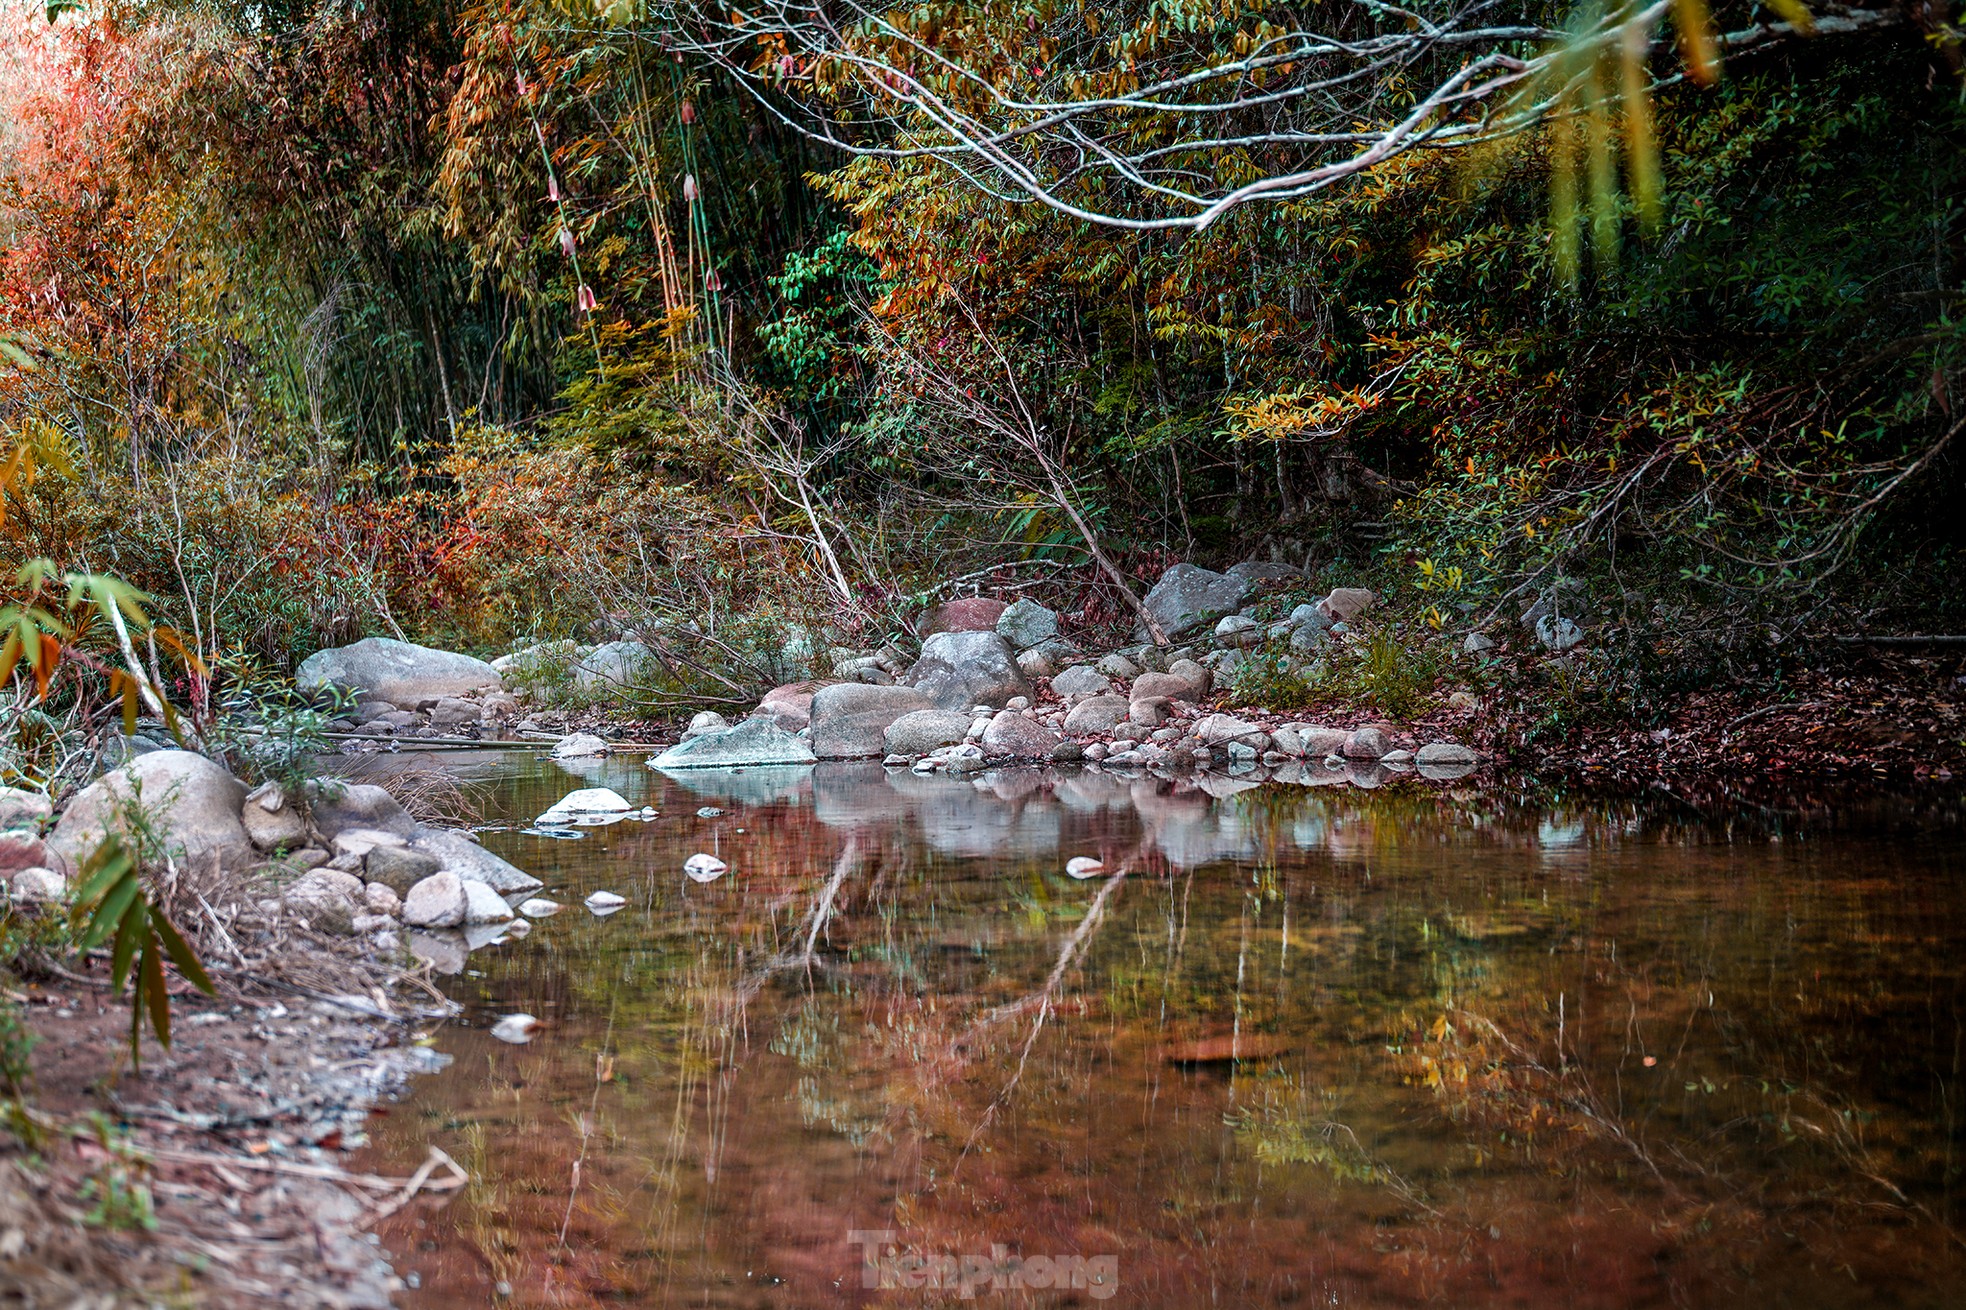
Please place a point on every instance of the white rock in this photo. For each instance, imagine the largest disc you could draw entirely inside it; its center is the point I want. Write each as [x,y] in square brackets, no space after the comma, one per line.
[579,745]
[704,868]
[483,905]
[538,907]
[515,1028]
[1084,866]
[605,902]
[436,902]
[38,887]
[586,803]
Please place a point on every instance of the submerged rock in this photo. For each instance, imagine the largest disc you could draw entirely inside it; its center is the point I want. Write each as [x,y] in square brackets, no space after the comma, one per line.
[754,741]
[575,805]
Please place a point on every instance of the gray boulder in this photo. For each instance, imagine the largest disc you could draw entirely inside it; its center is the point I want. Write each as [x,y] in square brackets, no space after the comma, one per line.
[1096,714]
[328,900]
[192,802]
[611,666]
[1558,632]
[850,719]
[1027,624]
[1346,603]
[399,868]
[340,807]
[1188,598]
[1222,729]
[922,731]
[23,809]
[958,670]
[472,862]
[1081,680]
[754,741]
[1262,570]
[483,905]
[1239,631]
[396,671]
[1118,666]
[1445,752]
[1367,744]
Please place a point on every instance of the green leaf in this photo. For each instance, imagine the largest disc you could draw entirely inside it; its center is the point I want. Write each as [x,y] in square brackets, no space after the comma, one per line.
[180,953]
[159,995]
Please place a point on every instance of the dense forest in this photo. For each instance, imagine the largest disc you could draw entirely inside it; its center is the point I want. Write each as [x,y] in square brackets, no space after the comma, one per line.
[491,322]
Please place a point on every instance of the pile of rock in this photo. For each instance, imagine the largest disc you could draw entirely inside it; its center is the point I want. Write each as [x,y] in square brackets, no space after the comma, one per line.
[351,861]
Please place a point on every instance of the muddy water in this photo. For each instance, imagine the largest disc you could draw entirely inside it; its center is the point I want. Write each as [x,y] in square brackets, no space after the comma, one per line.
[1291,1046]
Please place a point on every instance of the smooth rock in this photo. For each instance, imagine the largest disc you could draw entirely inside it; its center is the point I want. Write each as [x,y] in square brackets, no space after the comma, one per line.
[612,666]
[579,746]
[1558,632]
[37,887]
[380,898]
[194,805]
[328,900]
[1147,712]
[571,807]
[1084,866]
[1035,664]
[921,731]
[1026,624]
[282,829]
[1097,714]
[1163,686]
[1238,631]
[604,902]
[1188,598]
[483,905]
[757,740]
[1366,744]
[20,808]
[1221,729]
[1477,644]
[454,712]
[703,867]
[1012,736]
[337,807]
[789,706]
[381,668]
[1081,680]
[850,720]
[960,669]
[472,862]
[538,907]
[439,901]
[1067,752]
[1321,743]
[399,868]
[1118,666]
[1262,570]
[21,850]
[1445,752]
[705,721]
[967,614]
[515,1028]
[1346,603]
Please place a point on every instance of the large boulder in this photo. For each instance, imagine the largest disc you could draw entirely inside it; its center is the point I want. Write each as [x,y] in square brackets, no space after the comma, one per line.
[1027,624]
[922,731]
[611,667]
[379,668]
[1188,598]
[1262,570]
[959,670]
[472,862]
[969,614]
[850,719]
[754,741]
[439,901]
[789,706]
[192,803]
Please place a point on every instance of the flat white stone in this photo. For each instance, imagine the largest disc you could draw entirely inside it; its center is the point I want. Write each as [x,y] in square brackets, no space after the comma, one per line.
[704,868]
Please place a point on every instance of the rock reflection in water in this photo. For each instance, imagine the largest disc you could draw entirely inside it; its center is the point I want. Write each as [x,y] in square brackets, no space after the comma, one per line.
[1300,1042]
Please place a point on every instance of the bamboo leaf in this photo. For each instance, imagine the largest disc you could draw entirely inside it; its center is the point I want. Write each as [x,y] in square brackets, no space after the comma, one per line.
[181,954]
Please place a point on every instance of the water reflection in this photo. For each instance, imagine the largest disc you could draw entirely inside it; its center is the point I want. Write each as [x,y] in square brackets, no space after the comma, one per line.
[1298,1043]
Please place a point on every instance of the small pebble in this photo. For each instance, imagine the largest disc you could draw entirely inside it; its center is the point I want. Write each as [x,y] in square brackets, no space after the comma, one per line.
[605,902]
[1084,866]
[515,1028]
[704,868]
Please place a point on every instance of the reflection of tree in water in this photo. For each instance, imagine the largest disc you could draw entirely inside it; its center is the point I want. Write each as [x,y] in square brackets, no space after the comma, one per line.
[1393,1045]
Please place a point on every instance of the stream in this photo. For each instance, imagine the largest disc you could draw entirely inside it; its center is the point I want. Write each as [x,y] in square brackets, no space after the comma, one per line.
[1287,1045]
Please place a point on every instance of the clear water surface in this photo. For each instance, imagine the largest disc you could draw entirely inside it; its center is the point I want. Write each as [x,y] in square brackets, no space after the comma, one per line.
[1291,1046]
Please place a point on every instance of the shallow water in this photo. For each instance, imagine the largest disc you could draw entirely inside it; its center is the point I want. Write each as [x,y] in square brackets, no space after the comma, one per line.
[1292,1046]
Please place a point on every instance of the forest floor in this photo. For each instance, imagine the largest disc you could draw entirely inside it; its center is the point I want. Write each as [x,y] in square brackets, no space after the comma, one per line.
[211,1176]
